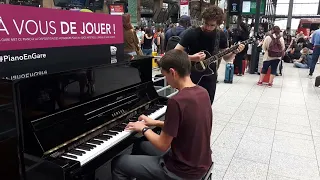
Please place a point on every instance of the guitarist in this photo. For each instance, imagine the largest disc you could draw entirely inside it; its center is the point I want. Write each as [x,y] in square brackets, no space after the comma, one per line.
[202,38]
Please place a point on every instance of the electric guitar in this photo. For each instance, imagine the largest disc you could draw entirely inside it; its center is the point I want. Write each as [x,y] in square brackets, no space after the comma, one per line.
[207,67]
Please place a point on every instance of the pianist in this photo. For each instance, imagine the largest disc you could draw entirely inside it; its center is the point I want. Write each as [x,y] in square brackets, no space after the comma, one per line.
[185,137]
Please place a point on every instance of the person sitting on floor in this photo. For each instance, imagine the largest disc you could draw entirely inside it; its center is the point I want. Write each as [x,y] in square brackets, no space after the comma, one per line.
[302,62]
[182,150]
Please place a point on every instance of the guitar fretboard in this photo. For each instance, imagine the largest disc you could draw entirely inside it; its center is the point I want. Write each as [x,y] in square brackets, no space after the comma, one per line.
[225,52]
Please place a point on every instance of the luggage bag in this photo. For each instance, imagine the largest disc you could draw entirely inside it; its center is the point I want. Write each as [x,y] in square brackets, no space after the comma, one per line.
[228,78]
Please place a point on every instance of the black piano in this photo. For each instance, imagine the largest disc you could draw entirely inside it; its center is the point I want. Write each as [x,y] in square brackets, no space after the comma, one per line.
[71,123]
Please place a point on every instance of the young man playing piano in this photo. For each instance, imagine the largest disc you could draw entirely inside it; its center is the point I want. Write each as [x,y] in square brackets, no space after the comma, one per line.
[184,143]
[205,38]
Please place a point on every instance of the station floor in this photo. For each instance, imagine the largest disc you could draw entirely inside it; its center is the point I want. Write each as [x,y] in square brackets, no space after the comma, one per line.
[262,133]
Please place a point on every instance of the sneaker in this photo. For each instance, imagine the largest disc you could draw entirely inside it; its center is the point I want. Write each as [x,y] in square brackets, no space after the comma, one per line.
[310,76]
[269,85]
[259,83]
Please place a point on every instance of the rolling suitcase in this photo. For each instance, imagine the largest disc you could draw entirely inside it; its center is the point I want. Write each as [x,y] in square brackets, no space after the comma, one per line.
[229,73]
[317,82]
[267,76]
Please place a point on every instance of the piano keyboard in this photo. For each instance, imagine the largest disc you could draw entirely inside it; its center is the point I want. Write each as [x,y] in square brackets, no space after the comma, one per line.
[96,146]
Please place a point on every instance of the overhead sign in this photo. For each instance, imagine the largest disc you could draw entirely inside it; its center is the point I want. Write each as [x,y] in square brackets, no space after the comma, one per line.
[253,7]
[40,39]
[234,7]
[184,7]
[116,9]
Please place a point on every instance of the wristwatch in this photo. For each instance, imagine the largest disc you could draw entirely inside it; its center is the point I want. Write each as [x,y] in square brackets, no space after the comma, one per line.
[144,130]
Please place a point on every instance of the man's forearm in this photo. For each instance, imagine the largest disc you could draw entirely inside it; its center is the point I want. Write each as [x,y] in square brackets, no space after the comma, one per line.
[191,58]
[229,56]
[154,139]
[159,123]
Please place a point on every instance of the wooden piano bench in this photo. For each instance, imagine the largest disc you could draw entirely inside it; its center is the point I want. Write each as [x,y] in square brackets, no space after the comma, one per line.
[208,175]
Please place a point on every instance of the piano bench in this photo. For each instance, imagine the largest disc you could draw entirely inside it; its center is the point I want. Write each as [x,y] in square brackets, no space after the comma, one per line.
[208,175]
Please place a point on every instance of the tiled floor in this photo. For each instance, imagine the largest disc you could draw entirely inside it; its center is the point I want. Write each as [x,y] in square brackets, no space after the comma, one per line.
[267,133]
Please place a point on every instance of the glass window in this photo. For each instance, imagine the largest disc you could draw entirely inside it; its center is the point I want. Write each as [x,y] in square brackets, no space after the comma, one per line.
[298,9]
[282,9]
[305,1]
[305,9]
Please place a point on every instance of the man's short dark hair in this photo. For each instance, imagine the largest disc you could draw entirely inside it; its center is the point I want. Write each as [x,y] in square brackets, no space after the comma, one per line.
[177,60]
[213,13]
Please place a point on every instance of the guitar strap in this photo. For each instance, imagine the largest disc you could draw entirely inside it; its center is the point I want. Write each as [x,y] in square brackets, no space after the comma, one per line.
[216,43]
[216,48]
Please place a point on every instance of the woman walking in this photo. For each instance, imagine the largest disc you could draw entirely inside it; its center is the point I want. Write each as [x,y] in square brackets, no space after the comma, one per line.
[146,42]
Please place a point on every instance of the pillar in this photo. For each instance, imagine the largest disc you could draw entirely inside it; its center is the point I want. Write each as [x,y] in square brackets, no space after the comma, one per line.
[133,11]
[157,5]
[290,14]
[255,55]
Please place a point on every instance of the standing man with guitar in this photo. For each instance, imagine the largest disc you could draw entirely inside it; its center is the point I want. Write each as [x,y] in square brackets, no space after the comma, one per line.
[207,38]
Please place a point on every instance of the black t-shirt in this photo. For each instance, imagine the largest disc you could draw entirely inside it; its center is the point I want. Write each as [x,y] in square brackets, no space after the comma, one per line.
[195,40]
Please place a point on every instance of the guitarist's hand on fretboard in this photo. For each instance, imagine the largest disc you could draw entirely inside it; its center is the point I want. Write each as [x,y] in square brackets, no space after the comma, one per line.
[240,48]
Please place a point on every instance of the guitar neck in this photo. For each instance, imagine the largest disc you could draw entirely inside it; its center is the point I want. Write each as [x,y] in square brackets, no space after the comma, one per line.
[221,54]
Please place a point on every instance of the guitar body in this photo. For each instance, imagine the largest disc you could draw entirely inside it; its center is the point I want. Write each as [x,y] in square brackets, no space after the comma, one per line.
[201,70]
[210,70]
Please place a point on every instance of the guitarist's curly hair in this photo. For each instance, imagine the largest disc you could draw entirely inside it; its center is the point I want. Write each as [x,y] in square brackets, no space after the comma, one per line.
[213,13]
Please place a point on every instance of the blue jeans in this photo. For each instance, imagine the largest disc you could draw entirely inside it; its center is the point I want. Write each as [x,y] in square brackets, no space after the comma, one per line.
[315,57]
[147,51]
[300,65]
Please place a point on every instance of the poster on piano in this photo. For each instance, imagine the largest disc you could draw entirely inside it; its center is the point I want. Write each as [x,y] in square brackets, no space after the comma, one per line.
[36,41]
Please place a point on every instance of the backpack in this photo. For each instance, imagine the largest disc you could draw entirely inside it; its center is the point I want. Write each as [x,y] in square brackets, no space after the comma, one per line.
[173,40]
[275,47]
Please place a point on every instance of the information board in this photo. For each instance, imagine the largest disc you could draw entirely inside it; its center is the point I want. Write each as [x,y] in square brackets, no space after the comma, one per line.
[40,40]
[249,7]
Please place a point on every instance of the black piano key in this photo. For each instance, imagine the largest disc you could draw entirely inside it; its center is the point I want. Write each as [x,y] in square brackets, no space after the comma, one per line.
[91,145]
[116,128]
[97,142]
[149,112]
[85,147]
[103,137]
[70,156]
[111,133]
[110,136]
[133,120]
[76,152]
[122,126]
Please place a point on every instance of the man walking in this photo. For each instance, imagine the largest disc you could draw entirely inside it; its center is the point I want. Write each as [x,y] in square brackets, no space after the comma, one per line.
[316,51]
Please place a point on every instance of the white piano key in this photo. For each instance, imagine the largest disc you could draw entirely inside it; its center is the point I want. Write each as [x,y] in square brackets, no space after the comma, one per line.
[99,149]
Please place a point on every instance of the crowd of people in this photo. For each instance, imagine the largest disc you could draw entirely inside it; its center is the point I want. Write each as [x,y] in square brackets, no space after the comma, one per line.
[182,149]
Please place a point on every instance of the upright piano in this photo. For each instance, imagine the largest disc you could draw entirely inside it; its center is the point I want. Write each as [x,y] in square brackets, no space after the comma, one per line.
[73,122]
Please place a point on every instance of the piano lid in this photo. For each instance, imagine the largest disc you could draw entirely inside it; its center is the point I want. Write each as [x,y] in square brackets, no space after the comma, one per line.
[56,108]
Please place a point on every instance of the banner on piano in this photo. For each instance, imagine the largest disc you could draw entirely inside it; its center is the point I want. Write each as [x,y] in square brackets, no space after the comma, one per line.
[40,39]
